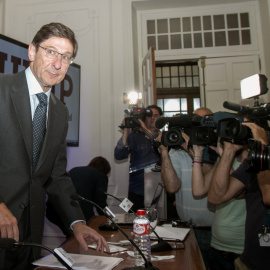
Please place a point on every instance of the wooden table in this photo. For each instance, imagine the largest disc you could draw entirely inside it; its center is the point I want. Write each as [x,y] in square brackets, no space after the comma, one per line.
[187,259]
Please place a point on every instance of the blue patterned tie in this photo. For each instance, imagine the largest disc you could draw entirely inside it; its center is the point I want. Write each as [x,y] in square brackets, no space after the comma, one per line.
[39,127]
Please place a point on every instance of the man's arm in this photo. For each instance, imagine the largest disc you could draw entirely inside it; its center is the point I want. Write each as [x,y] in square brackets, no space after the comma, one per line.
[121,150]
[260,134]
[201,173]
[224,187]
[170,179]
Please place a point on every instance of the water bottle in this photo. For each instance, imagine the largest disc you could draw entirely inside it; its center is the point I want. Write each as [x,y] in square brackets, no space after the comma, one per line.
[141,231]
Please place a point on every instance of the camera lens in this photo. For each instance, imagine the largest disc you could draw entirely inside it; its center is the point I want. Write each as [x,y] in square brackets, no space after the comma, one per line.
[260,156]
[173,137]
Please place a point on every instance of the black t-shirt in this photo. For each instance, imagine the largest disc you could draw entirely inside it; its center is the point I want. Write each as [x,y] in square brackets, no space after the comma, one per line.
[254,256]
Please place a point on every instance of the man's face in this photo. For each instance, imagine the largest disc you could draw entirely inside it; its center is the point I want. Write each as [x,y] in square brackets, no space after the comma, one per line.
[47,71]
[150,121]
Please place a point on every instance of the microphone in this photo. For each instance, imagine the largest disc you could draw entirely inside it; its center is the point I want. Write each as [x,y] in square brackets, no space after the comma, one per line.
[236,107]
[186,120]
[9,243]
[161,245]
[148,265]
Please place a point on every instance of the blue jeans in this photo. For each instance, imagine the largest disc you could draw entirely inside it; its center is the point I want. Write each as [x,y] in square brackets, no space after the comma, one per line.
[204,239]
[220,260]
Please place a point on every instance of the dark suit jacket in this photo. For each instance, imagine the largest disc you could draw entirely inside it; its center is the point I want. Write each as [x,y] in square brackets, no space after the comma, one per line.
[16,143]
[87,181]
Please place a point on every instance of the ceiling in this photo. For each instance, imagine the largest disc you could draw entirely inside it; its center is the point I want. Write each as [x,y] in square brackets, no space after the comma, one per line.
[161,4]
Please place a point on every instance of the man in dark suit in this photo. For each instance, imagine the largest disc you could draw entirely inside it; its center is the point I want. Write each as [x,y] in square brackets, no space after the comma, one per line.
[24,184]
[88,181]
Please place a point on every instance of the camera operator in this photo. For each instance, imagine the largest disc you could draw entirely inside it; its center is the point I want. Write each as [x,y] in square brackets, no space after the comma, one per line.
[227,241]
[226,185]
[138,143]
[176,173]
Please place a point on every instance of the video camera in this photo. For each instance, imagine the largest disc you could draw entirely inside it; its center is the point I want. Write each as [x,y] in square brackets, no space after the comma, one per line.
[132,121]
[253,86]
[201,130]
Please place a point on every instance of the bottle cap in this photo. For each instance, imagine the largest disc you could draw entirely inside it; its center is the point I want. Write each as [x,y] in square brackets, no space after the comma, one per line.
[140,212]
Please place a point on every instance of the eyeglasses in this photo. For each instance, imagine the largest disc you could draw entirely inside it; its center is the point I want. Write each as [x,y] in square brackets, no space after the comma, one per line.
[51,54]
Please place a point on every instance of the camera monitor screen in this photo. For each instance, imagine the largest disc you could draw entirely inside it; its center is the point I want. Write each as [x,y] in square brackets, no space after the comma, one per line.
[253,86]
[14,58]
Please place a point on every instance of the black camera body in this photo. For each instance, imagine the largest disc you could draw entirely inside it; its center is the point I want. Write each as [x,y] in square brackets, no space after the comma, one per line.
[201,130]
[231,130]
[135,114]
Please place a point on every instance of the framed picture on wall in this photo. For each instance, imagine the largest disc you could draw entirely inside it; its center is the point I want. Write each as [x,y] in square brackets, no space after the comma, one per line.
[14,58]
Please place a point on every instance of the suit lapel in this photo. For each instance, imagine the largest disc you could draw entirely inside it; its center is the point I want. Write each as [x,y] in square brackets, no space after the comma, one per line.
[21,101]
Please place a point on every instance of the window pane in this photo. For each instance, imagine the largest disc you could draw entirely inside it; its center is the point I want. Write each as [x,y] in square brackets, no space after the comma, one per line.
[175,25]
[220,38]
[175,82]
[195,81]
[176,42]
[186,24]
[232,21]
[166,83]
[169,114]
[197,40]
[196,103]
[244,20]
[188,70]
[207,24]
[219,22]
[208,40]
[182,82]
[158,72]
[163,43]
[151,41]
[159,83]
[187,41]
[151,27]
[197,23]
[183,104]
[195,70]
[182,71]
[174,71]
[246,39]
[171,104]
[234,38]
[189,81]
[162,26]
[160,103]
[165,71]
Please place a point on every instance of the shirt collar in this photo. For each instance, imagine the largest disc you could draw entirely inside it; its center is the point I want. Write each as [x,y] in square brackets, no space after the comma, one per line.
[33,85]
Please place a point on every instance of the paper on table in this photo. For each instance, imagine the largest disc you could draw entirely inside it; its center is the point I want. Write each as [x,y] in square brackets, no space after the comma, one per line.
[113,248]
[154,257]
[82,262]
[170,233]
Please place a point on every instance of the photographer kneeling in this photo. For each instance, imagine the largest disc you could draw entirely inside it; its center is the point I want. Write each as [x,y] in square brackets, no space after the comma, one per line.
[138,143]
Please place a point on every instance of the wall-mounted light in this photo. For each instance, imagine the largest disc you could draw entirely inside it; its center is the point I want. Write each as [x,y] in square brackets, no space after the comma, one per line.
[132,98]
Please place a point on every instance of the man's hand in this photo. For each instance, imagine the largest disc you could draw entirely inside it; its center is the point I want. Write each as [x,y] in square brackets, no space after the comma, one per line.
[258,132]
[8,224]
[83,232]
